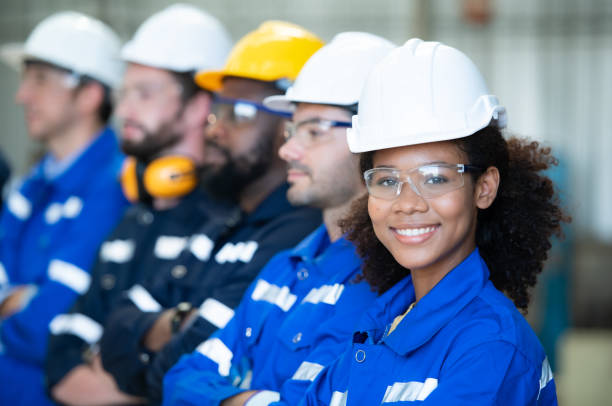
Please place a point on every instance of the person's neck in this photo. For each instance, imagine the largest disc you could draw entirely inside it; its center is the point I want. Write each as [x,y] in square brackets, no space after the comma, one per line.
[425,279]
[63,145]
[331,217]
[258,190]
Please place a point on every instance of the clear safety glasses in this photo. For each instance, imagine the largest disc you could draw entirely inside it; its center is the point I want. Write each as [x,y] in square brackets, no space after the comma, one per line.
[310,131]
[427,181]
[237,111]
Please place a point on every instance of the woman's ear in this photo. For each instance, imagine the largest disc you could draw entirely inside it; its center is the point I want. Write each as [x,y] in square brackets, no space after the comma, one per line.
[486,188]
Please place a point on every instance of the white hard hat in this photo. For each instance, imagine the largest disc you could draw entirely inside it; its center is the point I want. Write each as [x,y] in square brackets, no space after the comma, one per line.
[336,73]
[73,41]
[422,92]
[180,38]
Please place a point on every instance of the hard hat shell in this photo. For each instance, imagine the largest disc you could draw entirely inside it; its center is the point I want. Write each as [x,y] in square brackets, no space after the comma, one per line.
[336,73]
[73,41]
[275,51]
[422,92]
[180,38]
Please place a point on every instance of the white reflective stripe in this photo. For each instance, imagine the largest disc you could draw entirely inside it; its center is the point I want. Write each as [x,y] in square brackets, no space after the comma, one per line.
[72,207]
[19,205]
[143,299]
[4,280]
[410,391]
[338,399]
[263,398]
[242,251]
[70,275]
[219,353]
[118,251]
[169,247]
[324,294]
[77,324]
[307,371]
[216,312]
[201,246]
[546,375]
[276,295]
[53,213]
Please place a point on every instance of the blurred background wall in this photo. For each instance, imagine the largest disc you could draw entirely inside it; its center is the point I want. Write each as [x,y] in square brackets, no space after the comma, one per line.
[549,61]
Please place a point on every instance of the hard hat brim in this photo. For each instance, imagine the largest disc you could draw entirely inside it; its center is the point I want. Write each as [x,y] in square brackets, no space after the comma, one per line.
[280,103]
[210,80]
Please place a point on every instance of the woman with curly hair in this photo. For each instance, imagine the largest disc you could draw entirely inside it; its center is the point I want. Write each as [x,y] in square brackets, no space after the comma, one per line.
[453,232]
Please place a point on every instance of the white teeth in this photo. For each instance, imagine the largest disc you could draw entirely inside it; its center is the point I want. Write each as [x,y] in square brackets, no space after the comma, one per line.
[411,232]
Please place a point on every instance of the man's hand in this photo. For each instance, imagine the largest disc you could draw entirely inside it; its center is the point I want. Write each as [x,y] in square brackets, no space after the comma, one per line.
[160,333]
[239,399]
[91,385]
[17,300]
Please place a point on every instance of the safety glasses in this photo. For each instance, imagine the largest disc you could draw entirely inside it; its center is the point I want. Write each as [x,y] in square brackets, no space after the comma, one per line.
[311,131]
[427,181]
[237,111]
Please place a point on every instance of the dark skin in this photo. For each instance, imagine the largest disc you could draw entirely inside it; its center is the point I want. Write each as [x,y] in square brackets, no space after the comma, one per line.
[239,139]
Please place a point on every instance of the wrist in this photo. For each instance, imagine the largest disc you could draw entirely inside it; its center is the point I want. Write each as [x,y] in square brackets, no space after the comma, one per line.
[181,311]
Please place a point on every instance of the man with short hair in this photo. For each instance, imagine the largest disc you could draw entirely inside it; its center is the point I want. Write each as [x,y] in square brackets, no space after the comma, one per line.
[301,310]
[54,221]
[163,115]
[241,165]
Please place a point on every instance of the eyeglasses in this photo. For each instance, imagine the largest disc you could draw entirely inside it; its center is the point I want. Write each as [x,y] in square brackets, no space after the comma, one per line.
[427,181]
[237,111]
[310,131]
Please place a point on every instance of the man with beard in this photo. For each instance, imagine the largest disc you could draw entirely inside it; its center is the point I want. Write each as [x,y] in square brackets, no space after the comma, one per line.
[55,220]
[301,310]
[163,115]
[142,337]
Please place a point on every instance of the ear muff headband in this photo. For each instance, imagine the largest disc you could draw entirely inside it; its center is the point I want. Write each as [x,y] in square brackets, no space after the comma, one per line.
[165,177]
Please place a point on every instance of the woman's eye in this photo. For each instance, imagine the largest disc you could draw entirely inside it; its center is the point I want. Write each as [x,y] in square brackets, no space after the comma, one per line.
[387,182]
[314,133]
[436,180]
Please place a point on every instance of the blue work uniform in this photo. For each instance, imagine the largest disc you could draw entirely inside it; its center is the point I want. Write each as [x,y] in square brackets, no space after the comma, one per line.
[215,286]
[463,343]
[50,231]
[145,242]
[295,318]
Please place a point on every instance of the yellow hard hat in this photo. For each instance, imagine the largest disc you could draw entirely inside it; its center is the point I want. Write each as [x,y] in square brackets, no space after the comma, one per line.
[276,50]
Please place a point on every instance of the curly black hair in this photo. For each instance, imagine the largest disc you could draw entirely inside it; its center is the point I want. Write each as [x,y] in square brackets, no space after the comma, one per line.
[513,235]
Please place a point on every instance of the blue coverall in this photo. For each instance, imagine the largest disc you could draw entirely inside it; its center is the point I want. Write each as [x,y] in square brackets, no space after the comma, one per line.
[50,230]
[464,343]
[295,318]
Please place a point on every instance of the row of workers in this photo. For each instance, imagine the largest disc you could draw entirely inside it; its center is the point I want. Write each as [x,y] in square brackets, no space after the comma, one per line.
[218,284]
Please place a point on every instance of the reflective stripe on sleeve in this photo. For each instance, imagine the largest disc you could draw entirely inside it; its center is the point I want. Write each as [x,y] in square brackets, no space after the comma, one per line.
[216,312]
[276,295]
[4,280]
[76,324]
[19,205]
[117,251]
[307,371]
[263,398]
[201,246]
[546,375]
[410,391]
[70,275]
[338,399]
[169,247]
[143,299]
[324,294]
[218,352]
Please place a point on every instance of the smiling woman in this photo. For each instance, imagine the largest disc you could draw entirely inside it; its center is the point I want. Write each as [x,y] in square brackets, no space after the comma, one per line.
[455,216]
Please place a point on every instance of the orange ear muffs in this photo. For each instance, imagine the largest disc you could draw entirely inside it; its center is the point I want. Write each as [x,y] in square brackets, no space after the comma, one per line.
[170,176]
[165,177]
[129,179]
